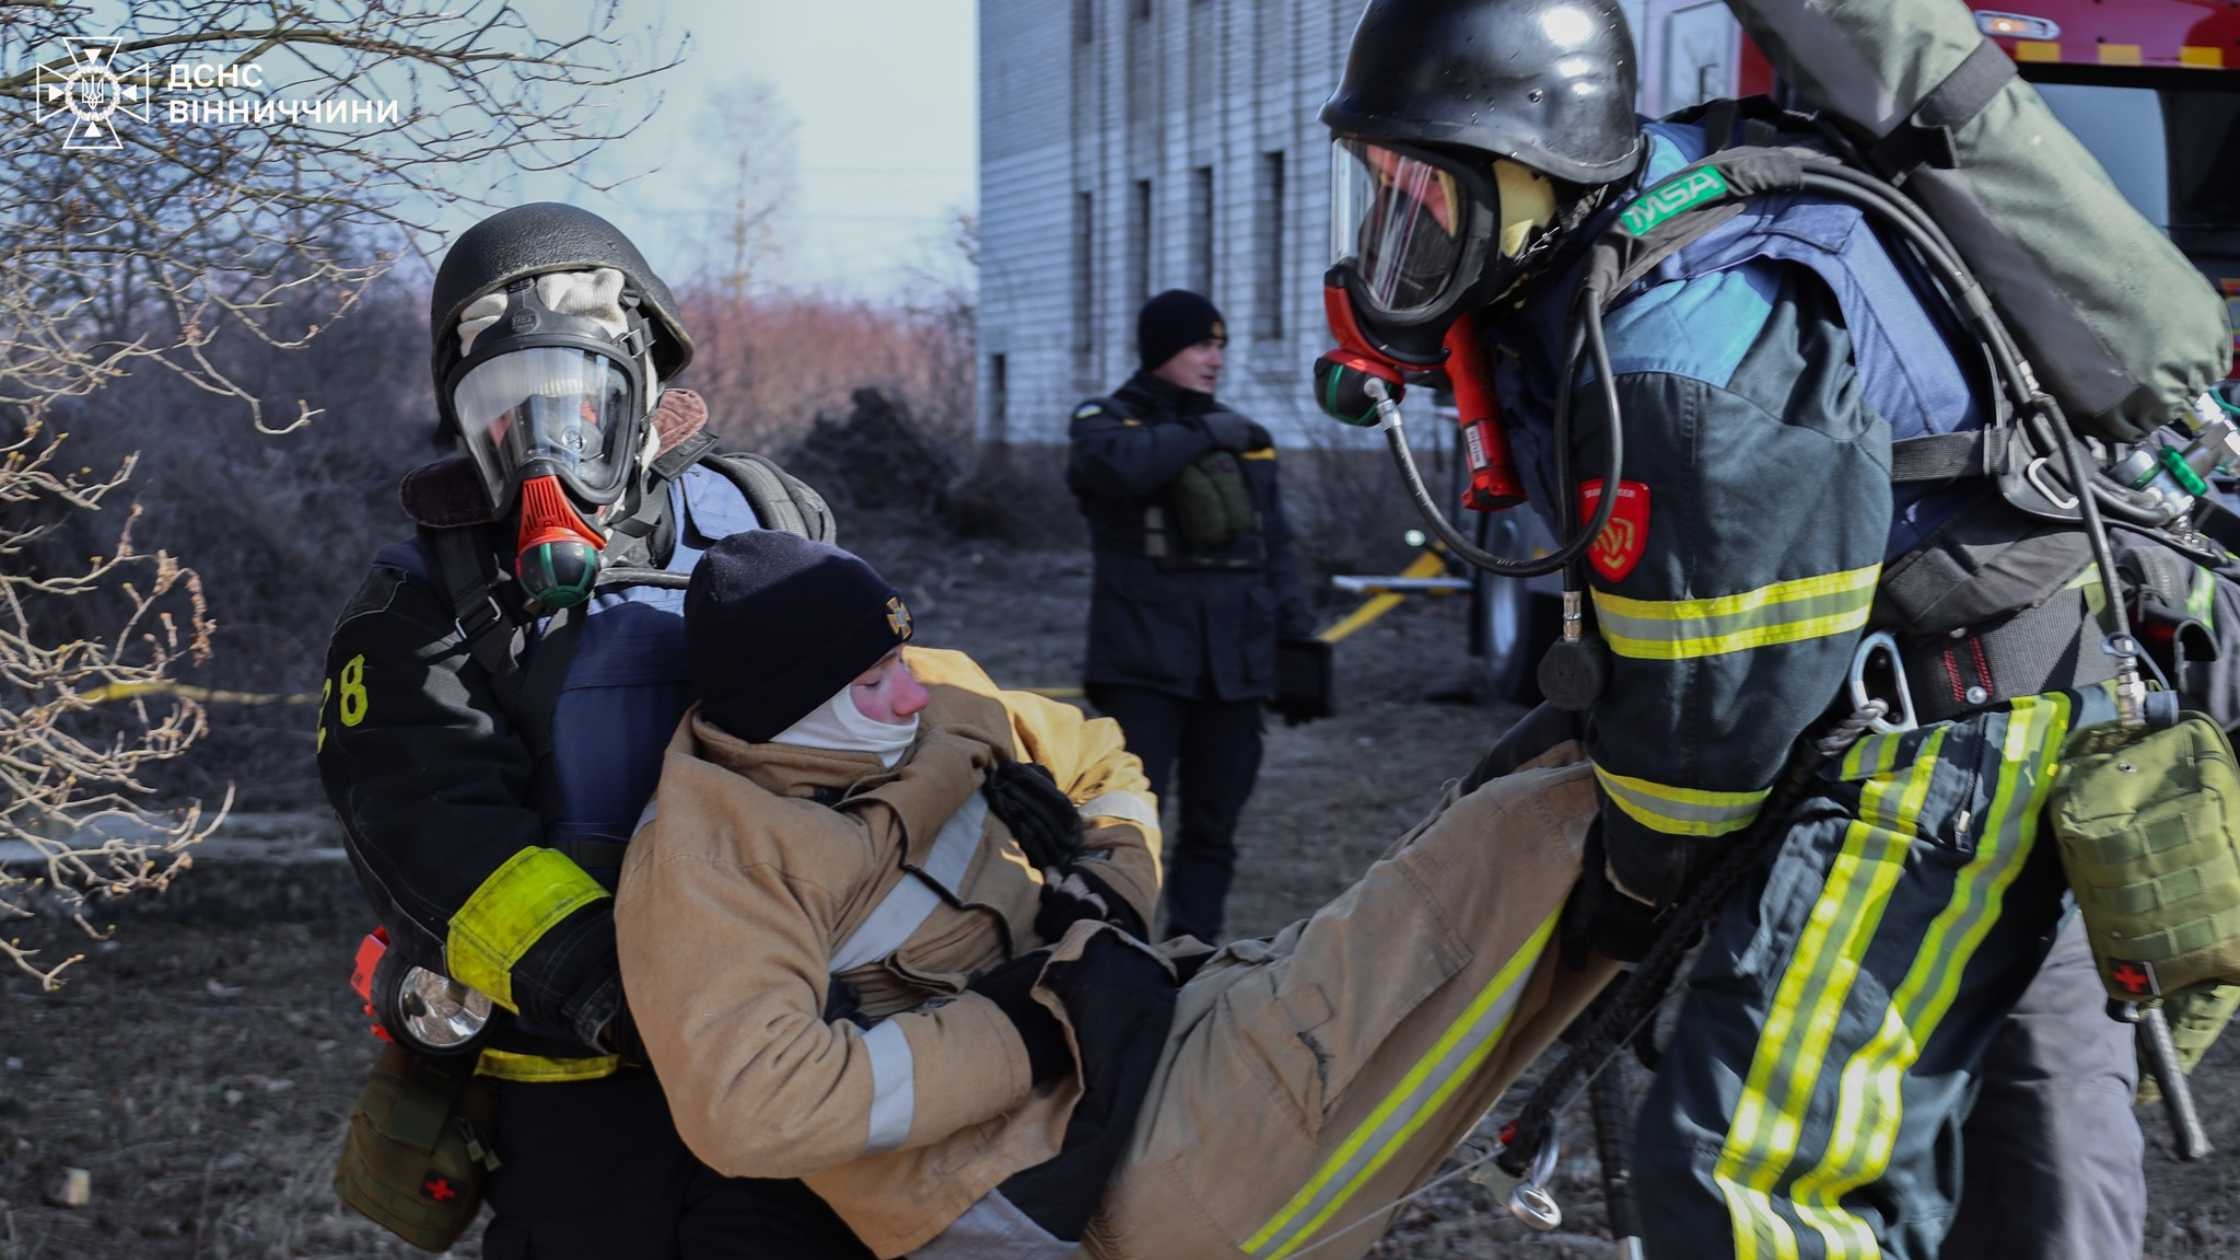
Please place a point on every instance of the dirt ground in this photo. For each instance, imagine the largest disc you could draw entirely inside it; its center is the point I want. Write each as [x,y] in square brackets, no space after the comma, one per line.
[200,1065]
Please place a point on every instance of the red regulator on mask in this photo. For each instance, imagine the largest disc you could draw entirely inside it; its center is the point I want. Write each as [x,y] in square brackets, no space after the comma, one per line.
[1341,389]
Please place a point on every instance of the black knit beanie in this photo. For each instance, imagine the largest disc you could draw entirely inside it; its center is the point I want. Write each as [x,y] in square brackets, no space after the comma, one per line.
[1173,322]
[775,625]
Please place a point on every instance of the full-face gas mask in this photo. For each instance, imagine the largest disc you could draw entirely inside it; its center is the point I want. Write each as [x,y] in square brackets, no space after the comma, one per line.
[550,394]
[1420,240]
[552,340]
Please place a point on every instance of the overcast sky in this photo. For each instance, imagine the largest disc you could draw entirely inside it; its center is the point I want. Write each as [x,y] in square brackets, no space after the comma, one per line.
[882,91]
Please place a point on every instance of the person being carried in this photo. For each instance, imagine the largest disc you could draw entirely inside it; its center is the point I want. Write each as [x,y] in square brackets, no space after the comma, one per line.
[882,930]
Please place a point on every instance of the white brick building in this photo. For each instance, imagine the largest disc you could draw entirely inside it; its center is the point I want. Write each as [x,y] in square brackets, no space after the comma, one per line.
[1130,146]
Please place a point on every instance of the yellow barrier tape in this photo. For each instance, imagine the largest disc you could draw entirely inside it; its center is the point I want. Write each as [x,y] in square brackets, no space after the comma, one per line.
[126,691]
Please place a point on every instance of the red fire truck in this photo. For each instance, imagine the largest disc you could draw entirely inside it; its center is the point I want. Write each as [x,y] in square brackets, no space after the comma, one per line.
[2152,87]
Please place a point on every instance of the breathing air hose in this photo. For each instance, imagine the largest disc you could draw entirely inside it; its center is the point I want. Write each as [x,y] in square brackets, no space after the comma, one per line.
[1587,339]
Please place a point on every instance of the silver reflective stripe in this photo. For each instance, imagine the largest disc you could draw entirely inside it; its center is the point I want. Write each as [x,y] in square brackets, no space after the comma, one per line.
[899,913]
[1132,807]
[995,1229]
[647,815]
[894,1087]
[958,840]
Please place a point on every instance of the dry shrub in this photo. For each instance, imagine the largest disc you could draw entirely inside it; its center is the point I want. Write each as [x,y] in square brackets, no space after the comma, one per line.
[769,366]
[1016,494]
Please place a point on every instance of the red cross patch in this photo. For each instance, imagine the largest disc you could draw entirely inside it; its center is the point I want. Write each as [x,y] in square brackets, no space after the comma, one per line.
[439,1187]
[1619,546]
[2134,978]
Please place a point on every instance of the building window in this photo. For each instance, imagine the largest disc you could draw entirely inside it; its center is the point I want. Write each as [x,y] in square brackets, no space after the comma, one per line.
[999,401]
[1139,245]
[1272,262]
[1143,10]
[1084,22]
[1084,274]
[1201,229]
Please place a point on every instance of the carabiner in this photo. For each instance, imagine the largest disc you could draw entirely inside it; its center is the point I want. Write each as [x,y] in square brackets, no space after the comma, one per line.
[1861,702]
[1530,1200]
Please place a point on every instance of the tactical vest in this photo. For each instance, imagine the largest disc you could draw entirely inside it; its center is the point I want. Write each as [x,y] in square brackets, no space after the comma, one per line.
[1205,521]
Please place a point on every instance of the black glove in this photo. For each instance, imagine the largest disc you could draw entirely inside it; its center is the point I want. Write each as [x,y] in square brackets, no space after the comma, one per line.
[1011,987]
[842,1001]
[1303,683]
[1121,1002]
[1042,819]
[1601,919]
[1073,893]
[1232,432]
[1535,733]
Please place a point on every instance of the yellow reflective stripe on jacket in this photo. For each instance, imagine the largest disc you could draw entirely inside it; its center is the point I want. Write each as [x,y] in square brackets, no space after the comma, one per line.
[1782,612]
[1679,811]
[1792,1048]
[521,901]
[1869,1105]
[1411,1104]
[2201,598]
[537,1069]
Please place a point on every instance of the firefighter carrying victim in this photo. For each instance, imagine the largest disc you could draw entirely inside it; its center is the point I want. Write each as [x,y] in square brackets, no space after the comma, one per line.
[883,924]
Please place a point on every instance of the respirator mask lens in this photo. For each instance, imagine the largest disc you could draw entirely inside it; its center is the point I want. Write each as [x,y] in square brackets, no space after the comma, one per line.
[567,411]
[1403,225]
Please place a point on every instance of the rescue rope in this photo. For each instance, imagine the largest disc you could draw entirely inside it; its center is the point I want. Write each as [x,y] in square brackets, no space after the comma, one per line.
[1615,1023]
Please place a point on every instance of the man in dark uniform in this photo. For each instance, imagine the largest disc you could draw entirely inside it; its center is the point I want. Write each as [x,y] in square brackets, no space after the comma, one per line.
[1195,586]
[499,693]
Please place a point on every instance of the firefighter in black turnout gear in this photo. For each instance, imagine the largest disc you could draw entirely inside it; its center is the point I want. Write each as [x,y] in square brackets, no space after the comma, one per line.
[1845,1007]
[1195,589]
[498,695]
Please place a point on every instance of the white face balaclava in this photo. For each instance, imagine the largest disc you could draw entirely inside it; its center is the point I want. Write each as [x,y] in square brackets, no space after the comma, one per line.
[839,726]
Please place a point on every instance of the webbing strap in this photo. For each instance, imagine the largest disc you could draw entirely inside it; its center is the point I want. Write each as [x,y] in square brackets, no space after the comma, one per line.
[1926,138]
[471,583]
[1944,456]
[430,1093]
[683,455]
[2052,647]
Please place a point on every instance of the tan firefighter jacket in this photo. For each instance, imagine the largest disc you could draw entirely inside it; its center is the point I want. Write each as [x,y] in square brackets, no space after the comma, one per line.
[743,894]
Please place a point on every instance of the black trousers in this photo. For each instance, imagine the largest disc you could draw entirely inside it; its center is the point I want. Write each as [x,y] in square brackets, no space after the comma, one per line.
[2053,1163]
[594,1170]
[1213,747]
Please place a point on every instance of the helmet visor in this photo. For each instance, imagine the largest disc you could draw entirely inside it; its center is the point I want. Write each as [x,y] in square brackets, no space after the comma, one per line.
[566,410]
[1401,223]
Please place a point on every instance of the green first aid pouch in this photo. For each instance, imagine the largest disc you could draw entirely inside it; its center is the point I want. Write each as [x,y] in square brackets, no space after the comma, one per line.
[2148,822]
[2196,1017]
[1209,503]
[417,1158]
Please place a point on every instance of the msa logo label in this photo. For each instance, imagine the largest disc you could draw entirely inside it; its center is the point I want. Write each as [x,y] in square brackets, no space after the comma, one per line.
[1681,193]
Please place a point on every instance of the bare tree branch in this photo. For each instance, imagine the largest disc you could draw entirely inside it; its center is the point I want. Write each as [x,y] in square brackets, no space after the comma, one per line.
[239,218]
